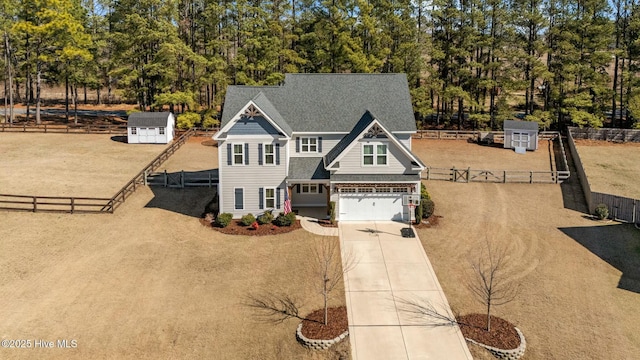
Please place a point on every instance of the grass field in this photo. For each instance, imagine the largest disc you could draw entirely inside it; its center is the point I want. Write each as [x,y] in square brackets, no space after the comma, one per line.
[611,168]
[69,165]
[462,154]
[579,278]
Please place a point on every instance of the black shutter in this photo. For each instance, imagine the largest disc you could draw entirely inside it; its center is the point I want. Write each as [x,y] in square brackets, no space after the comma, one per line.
[261,198]
[246,154]
[320,144]
[297,144]
[229,154]
[239,198]
[278,198]
[298,188]
[320,186]
[277,153]
[259,154]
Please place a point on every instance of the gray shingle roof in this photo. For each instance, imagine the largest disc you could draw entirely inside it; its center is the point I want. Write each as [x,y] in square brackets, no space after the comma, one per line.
[263,103]
[331,102]
[520,125]
[375,177]
[307,168]
[148,119]
[362,124]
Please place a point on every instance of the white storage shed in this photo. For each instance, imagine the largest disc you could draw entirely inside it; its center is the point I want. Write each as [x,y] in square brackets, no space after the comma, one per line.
[520,135]
[150,128]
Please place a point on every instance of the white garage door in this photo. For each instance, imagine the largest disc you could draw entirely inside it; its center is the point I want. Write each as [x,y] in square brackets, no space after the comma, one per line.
[370,206]
[147,135]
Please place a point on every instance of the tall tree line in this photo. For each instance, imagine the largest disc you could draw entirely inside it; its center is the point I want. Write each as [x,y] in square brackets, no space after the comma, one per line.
[470,63]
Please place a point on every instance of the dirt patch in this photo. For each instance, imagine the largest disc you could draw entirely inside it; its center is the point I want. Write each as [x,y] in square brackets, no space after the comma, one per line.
[503,334]
[431,221]
[236,228]
[450,153]
[611,168]
[313,326]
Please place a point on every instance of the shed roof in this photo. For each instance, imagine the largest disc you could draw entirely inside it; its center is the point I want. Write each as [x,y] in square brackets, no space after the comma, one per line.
[330,102]
[307,168]
[148,119]
[520,125]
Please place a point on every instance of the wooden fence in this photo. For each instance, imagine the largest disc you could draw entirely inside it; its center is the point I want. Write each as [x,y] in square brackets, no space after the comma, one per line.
[495,176]
[76,205]
[620,208]
[606,134]
[64,129]
[182,179]
[498,136]
[73,205]
[141,178]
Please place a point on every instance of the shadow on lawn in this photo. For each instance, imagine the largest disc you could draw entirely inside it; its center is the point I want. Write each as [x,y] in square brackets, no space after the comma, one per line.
[572,194]
[187,201]
[618,245]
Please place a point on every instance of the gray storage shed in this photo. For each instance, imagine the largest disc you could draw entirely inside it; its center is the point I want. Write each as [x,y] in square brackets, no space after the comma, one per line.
[520,135]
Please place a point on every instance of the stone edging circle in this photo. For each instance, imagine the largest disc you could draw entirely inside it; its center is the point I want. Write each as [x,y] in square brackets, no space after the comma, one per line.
[318,344]
[513,354]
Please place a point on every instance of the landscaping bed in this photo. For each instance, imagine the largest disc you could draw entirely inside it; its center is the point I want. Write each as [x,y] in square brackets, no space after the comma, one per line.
[313,326]
[236,228]
[503,334]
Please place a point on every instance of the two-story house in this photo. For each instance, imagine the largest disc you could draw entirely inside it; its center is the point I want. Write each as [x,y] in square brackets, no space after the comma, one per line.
[319,138]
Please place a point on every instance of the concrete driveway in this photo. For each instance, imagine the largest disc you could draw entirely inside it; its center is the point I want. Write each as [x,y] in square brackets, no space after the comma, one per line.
[391,271]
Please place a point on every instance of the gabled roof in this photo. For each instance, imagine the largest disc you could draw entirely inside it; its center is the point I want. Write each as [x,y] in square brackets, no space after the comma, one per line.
[270,111]
[329,102]
[148,119]
[520,125]
[366,122]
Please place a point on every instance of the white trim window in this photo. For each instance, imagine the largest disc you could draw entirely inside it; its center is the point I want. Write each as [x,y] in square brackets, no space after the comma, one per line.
[520,139]
[269,151]
[400,190]
[161,129]
[308,144]
[349,190]
[134,131]
[309,188]
[238,154]
[269,198]
[377,159]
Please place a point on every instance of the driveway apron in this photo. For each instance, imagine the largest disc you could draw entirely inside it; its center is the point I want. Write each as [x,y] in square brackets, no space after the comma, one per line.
[390,271]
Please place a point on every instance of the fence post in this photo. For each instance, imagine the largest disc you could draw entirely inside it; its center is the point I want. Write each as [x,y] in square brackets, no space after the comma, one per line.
[530,177]
[504,176]
[35,204]
[72,205]
[181,179]
[453,174]
[45,128]
[210,179]
[24,127]
[468,171]
[165,178]
[145,177]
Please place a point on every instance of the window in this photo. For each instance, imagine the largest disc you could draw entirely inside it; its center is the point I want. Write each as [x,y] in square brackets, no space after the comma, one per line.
[368,157]
[269,154]
[134,131]
[348,190]
[520,139]
[161,130]
[270,198]
[238,198]
[399,190]
[309,188]
[309,144]
[383,190]
[365,190]
[238,154]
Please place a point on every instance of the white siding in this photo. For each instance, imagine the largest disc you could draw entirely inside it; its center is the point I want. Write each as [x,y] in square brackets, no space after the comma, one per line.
[405,139]
[397,160]
[251,177]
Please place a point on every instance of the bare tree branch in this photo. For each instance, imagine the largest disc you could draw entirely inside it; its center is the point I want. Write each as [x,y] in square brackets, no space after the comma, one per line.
[274,308]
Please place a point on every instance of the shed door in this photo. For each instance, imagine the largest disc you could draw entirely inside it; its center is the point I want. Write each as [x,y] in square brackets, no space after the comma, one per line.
[147,135]
[520,140]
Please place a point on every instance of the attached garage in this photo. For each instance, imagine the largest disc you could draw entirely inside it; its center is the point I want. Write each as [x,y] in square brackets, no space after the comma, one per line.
[150,128]
[367,204]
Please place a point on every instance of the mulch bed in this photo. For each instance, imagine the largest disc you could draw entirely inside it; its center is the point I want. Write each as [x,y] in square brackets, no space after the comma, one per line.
[503,334]
[431,221]
[327,223]
[235,228]
[313,326]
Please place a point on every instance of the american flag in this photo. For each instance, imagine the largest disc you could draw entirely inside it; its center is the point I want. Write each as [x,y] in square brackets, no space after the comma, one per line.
[287,202]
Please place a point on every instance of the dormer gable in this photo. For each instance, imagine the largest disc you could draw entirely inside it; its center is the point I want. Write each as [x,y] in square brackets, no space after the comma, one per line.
[257,117]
